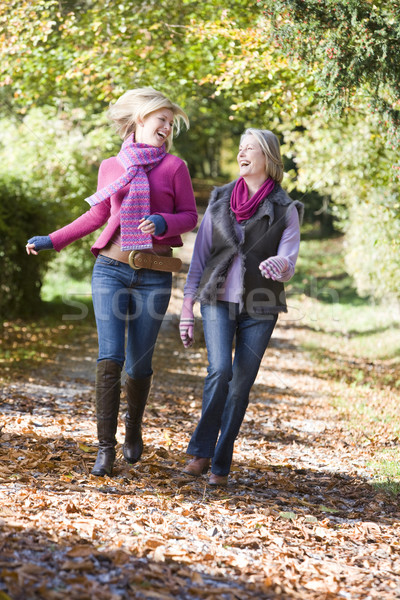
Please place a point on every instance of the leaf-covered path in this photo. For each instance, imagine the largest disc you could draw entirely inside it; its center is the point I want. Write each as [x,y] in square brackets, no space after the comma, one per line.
[299,519]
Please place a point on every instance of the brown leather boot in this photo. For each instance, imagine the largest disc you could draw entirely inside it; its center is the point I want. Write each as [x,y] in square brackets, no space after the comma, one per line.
[108,389]
[197,466]
[218,480]
[137,392]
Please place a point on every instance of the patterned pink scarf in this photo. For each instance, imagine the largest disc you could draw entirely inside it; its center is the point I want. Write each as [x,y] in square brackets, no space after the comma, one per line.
[136,159]
[245,207]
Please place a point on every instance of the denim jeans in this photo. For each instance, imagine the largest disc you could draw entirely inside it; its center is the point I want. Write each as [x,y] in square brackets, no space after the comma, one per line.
[227,386]
[132,301]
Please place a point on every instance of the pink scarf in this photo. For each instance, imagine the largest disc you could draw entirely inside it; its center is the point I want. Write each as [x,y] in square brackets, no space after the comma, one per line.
[136,159]
[245,207]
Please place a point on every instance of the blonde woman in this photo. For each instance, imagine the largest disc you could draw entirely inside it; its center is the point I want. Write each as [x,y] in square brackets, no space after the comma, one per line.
[145,199]
[246,247]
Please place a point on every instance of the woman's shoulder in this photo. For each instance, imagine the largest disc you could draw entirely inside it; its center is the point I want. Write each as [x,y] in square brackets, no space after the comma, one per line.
[171,161]
[221,192]
[280,197]
[112,166]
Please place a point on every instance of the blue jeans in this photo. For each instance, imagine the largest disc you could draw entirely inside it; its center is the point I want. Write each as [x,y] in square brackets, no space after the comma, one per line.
[132,301]
[227,386]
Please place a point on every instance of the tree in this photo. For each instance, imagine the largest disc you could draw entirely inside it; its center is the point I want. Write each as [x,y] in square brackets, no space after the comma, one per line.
[347,161]
[85,54]
[216,60]
[352,49]
[92,50]
[19,214]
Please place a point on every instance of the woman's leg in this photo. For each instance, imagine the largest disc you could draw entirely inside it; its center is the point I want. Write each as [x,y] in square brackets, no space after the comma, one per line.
[219,323]
[252,338]
[149,298]
[110,294]
[109,277]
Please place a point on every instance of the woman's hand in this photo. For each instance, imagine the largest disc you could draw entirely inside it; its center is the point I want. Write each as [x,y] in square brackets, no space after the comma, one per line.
[147,226]
[274,267]
[186,323]
[153,224]
[37,243]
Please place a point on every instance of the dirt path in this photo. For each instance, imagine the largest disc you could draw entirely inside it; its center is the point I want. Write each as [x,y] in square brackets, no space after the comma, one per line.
[299,519]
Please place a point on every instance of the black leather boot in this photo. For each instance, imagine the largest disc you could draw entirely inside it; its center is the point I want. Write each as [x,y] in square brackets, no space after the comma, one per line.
[108,390]
[137,392]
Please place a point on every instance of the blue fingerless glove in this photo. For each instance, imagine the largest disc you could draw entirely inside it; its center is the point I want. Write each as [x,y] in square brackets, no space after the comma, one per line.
[42,242]
[159,223]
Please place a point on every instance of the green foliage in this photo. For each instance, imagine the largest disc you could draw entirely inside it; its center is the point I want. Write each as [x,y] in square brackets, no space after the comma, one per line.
[57,154]
[93,51]
[349,162]
[56,157]
[20,274]
[352,48]
[63,62]
[375,225]
[216,60]
[324,300]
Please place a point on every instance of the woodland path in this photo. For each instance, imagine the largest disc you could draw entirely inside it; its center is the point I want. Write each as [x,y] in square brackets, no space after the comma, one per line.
[300,518]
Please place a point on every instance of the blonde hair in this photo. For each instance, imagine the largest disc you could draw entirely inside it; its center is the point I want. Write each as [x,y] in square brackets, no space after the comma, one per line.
[135,105]
[270,146]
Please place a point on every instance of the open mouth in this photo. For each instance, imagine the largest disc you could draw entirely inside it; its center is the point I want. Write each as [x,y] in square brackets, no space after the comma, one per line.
[161,135]
[244,163]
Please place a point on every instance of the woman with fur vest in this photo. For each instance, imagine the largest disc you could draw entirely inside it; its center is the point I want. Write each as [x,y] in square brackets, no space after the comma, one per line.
[246,248]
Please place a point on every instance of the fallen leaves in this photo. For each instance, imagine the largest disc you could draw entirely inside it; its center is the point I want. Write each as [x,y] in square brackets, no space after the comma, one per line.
[299,519]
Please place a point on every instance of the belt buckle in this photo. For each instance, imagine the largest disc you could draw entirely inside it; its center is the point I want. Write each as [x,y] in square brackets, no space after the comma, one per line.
[131,260]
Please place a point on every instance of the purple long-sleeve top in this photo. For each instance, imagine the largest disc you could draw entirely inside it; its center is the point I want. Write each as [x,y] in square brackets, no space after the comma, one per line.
[171,196]
[288,248]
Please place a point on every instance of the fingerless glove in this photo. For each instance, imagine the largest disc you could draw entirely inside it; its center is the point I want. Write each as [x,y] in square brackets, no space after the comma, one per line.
[159,224]
[42,242]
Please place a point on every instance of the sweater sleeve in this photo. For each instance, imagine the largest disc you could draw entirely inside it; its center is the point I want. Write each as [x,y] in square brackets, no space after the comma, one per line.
[289,245]
[201,253]
[90,221]
[185,216]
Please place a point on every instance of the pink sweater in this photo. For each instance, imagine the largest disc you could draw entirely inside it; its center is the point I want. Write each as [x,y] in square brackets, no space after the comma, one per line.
[171,196]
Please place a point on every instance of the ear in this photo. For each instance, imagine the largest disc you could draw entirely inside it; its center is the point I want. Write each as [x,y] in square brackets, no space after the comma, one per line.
[140,122]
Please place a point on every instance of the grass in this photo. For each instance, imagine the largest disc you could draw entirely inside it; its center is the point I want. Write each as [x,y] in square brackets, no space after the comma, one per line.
[324,300]
[355,343]
[387,466]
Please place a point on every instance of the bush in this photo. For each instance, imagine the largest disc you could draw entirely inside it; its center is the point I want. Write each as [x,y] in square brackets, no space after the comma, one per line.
[20,275]
[372,255]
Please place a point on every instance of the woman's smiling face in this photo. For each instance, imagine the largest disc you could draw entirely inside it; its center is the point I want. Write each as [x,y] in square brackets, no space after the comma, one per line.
[251,158]
[155,128]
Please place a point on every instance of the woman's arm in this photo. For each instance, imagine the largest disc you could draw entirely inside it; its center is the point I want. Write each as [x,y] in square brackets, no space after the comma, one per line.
[201,253]
[83,225]
[282,267]
[90,221]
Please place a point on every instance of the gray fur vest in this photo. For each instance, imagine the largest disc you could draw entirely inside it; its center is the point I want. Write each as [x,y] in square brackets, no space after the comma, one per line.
[261,237]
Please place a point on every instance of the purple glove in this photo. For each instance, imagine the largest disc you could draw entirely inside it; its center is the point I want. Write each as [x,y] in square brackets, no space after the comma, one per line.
[274,267]
[186,323]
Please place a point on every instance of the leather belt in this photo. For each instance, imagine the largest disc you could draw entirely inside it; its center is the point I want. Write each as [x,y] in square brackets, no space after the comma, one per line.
[154,262]
[144,260]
